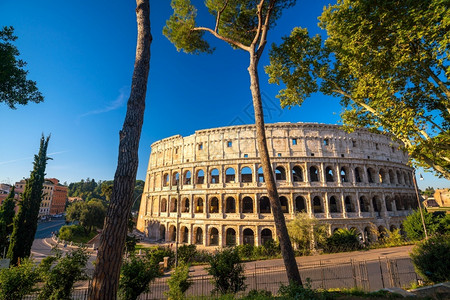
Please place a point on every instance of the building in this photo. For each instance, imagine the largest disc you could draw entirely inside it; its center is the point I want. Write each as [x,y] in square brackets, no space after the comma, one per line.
[58,203]
[442,197]
[354,180]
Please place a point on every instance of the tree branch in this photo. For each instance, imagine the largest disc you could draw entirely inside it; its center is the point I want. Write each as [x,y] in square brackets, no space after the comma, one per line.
[265,29]
[225,39]
[218,15]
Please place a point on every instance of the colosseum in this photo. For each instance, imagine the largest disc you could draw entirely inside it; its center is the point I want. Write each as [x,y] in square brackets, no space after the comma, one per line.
[209,186]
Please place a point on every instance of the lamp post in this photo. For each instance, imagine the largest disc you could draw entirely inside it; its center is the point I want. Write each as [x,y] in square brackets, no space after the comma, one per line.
[420,205]
[177,234]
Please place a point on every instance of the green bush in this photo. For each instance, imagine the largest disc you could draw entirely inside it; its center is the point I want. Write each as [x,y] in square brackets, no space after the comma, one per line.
[258,295]
[68,232]
[295,291]
[431,258]
[245,251]
[135,275]
[227,271]
[342,240]
[187,253]
[178,282]
[157,254]
[413,226]
[392,238]
[16,282]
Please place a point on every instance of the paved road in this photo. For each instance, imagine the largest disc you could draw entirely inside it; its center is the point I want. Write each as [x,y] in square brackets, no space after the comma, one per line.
[42,247]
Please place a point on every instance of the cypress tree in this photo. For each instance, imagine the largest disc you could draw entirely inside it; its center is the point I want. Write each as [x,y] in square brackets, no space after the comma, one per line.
[6,219]
[25,222]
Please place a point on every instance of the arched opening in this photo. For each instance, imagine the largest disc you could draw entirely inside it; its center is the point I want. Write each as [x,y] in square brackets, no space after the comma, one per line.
[363,204]
[260,175]
[354,229]
[163,205]
[358,173]
[185,205]
[382,232]
[333,205]
[214,176]
[199,205]
[214,237]
[247,205]
[266,235]
[175,178]
[392,228]
[230,175]
[297,174]
[246,174]
[184,234]
[388,203]
[280,173]
[187,178]
[329,174]
[166,179]
[376,203]
[162,232]
[317,205]
[172,233]
[300,204]
[230,237]
[264,205]
[368,236]
[200,177]
[198,234]
[249,237]
[399,178]
[382,176]
[398,203]
[344,174]
[173,205]
[391,177]
[230,206]
[349,204]
[214,205]
[370,175]
[284,204]
[313,174]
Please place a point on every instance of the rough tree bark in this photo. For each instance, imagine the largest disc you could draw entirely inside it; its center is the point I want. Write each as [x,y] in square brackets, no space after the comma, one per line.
[110,252]
[272,192]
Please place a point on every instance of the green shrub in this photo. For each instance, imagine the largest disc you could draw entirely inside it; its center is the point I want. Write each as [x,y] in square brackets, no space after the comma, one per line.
[157,254]
[295,291]
[413,226]
[342,240]
[431,258]
[135,275]
[17,282]
[272,248]
[227,271]
[392,238]
[245,251]
[187,253]
[68,232]
[178,282]
[201,256]
[258,295]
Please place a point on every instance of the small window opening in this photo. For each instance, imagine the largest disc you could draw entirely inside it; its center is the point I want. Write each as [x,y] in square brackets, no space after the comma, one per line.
[245,155]
[279,154]
[294,142]
[326,142]
[200,146]
[354,143]
[312,154]
[229,144]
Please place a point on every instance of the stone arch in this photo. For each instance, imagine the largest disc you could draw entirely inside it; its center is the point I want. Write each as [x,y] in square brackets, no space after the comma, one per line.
[214,205]
[186,204]
[173,205]
[280,173]
[214,176]
[329,174]
[364,204]
[388,202]
[162,232]
[382,176]
[248,236]
[358,174]
[213,236]
[371,175]
[333,205]
[369,237]
[200,176]
[260,175]
[349,206]
[264,205]
[317,205]
[184,234]
[172,233]
[300,204]
[187,177]
[246,175]
[166,179]
[175,178]
[398,203]
[399,177]
[230,175]
[391,177]
[163,205]
[313,174]
[297,174]
[198,236]
[358,232]
[284,204]
[247,205]
[230,237]
[376,204]
[266,235]
[344,174]
[230,205]
[382,232]
[199,205]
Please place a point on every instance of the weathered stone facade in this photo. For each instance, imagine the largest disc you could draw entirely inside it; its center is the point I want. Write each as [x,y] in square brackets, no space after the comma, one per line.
[348,180]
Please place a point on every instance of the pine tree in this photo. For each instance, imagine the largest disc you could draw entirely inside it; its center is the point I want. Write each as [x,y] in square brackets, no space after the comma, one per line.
[6,219]
[25,222]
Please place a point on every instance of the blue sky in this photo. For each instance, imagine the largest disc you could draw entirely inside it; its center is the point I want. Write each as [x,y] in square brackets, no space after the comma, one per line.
[81,53]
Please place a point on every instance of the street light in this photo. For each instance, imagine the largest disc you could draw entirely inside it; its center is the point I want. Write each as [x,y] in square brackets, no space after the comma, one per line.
[178,219]
[420,205]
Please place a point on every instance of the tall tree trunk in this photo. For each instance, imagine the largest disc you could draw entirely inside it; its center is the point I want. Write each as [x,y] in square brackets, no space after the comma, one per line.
[278,216]
[112,241]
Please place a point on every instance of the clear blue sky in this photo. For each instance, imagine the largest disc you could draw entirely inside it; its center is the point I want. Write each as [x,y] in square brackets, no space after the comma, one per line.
[81,53]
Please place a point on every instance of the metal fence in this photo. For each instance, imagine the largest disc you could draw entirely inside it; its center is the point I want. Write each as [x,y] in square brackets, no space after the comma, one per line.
[368,275]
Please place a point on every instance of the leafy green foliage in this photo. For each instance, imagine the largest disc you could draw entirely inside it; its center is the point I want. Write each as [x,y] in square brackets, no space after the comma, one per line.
[14,86]
[386,61]
[227,271]
[431,258]
[25,222]
[392,238]
[178,282]
[413,227]
[295,291]
[157,254]
[342,240]
[186,253]
[305,232]
[70,232]
[18,281]
[6,219]
[135,275]
[130,243]
[60,278]
[90,214]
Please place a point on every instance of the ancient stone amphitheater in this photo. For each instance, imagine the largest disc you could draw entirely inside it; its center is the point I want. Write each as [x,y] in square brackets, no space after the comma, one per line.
[209,186]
